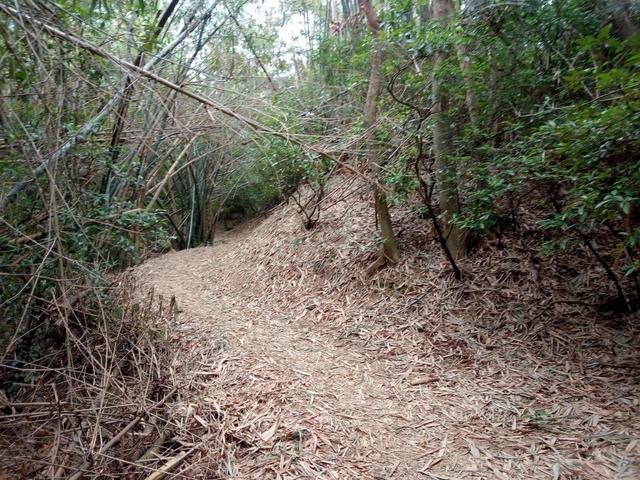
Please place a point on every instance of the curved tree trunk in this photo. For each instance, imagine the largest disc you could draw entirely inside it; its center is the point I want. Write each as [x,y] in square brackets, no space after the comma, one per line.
[389,253]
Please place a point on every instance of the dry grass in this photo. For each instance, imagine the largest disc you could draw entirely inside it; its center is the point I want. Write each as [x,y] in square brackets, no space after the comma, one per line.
[95,406]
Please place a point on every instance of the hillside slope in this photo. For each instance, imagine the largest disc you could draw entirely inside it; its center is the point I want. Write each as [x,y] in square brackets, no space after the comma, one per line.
[291,364]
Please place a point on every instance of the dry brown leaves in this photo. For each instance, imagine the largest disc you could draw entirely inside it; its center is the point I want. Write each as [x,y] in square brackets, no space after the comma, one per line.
[292,365]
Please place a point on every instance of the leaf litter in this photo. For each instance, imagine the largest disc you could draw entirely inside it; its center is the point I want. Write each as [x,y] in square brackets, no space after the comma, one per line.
[291,364]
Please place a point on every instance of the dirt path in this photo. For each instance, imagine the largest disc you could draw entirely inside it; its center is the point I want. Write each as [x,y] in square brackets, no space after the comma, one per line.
[291,365]
[305,402]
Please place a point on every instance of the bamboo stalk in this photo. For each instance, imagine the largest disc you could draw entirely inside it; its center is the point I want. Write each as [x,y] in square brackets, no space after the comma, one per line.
[170,465]
[143,455]
[145,72]
[90,126]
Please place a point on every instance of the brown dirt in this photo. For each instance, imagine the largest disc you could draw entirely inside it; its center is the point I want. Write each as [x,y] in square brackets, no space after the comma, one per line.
[292,365]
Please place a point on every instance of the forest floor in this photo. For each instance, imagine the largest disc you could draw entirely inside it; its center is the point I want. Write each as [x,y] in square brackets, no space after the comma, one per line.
[291,364]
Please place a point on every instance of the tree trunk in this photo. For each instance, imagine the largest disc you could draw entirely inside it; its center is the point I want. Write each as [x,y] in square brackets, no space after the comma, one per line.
[470,93]
[442,10]
[389,253]
[471,101]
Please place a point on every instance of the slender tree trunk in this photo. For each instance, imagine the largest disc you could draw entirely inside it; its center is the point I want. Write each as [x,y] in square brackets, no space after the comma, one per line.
[471,102]
[470,93]
[465,66]
[389,253]
[443,145]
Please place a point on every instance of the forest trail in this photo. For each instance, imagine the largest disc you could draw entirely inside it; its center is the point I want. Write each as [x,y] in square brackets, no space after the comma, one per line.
[290,364]
[307,401]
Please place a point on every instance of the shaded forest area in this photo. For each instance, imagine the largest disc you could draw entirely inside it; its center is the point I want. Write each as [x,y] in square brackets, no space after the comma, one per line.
[130,128]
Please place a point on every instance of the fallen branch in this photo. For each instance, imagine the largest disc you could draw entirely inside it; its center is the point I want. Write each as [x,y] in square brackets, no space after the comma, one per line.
[144,455]
[170,465]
